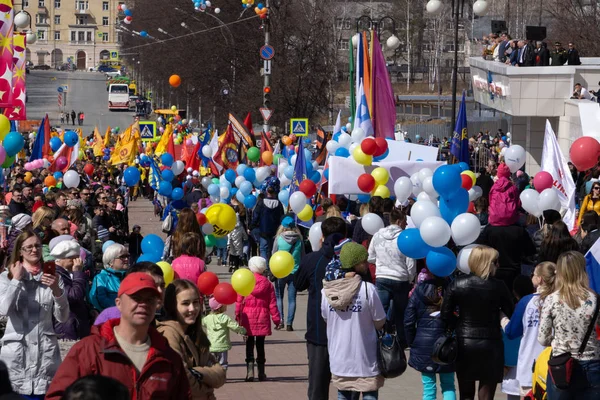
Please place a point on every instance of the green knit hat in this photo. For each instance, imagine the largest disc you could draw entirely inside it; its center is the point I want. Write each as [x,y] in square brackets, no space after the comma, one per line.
[352,254]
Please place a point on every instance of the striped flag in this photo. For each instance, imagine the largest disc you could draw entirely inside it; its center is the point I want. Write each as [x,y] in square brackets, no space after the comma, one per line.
[322,139]
[18,111]
[6,53]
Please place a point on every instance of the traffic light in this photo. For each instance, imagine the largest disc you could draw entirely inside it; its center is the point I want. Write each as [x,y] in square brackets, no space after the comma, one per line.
[267,96]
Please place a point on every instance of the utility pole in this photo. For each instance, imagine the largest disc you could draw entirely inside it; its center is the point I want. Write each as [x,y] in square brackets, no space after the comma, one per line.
[267,72]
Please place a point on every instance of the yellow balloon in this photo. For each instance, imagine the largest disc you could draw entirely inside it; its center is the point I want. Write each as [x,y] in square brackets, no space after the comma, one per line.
[243,281]
[28,177]
[173,108]
[361,158]
[281,264]
[382,191]
[222,217]
[168,272]
[381,175]
[471,175]
[306,213]
[4,126]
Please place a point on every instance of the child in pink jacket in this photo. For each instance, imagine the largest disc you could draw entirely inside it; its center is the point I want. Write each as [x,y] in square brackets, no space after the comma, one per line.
[255,313]
[190,263]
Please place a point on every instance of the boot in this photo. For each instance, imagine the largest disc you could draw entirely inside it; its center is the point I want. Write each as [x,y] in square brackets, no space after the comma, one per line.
[250,371]
[261,372]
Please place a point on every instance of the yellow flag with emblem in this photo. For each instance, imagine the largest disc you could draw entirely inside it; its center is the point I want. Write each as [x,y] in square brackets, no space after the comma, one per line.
[161,146]
[98,143]
[127,147]
[107,138]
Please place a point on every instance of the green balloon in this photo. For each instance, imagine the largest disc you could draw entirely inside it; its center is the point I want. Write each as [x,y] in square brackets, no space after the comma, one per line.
[253,154]
[8,161]
[276,159]
[210,241]
[216,181]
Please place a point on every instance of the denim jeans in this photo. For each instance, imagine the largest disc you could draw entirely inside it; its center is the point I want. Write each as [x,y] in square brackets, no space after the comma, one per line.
[430,388]
[585,383]
[222,254]
[266,246]
[350,395]
[396,293]
[280,285]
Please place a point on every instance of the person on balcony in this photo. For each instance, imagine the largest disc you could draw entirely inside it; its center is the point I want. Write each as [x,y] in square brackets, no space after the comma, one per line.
[558,55]
[573,55]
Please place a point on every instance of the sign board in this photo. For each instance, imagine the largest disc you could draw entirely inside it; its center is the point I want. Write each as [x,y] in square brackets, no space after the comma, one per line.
[299,126]
[148,131]
[65,88]
[114,55]
[267,52]
[99,34]
[266,113]
[60,89]
[267,67]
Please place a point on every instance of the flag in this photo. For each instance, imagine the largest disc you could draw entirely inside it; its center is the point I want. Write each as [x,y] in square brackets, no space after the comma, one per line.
[460,140]
[214,147]
[241,131]
[363,119]
[46,149]
[37,148]
[154,175]
[163,143]
[367,68]
[352,87]
[554,162]
[322,138]
[107,138]
[127,147]
[98,143]
[265,145]
[70,153]
[592,266]
[383,106]
[337,129]
[17,112]
[299,169]
[6,53]
[227,154]
[358,67]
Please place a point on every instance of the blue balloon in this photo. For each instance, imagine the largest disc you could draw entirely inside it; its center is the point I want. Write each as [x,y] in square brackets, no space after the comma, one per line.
[441,261]
[240,196]
[177,194]
[446,180]
[167,175]
[144,160]
[106,158]
[250,174]
[289,171]
[13,143]
[131,176]
[106,244]
[55,143]
[213,189]
[233,191]
[221,243]
[316,177]
[152,244]
[463,166]
[309,168]
[128,13]
[143,33]
[342,152]
[240,169]
[151,257]
[166,159]
[230,175]
[504,138]
[225,201]
[245,188]
[456,204]
[307,155]
[71,138]
[250,201]
[412,245]
[336,136]
[284,197]
[165,188]
[57,175]
[326,173]
[364,198]
[383,156]
[227,185]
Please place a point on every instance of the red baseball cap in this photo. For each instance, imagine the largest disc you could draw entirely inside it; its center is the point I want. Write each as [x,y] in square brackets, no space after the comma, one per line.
[135,282]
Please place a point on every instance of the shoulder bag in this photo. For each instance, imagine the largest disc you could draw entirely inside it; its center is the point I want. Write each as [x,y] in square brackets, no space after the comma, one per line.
[561,366]
[167,224]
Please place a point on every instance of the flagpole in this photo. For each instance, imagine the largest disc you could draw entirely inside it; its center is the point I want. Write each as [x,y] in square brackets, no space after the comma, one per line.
[267,77]
[352,88]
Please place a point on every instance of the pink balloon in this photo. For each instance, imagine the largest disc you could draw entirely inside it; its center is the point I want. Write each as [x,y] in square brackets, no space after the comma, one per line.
[188,142]
[542,181]
[61,162]
[28,166]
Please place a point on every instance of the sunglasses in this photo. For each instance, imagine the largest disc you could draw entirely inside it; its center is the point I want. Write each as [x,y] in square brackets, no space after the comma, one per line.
[124,257]
[102,198]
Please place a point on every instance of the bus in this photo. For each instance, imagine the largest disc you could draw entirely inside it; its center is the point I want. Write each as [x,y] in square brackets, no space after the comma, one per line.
[118,96]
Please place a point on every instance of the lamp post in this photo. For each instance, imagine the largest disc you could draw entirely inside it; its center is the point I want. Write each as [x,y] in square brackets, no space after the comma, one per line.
[434,7]
[378,26]
[22,20]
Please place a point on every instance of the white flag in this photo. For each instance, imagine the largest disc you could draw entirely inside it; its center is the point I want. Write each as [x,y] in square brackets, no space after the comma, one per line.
[556,165]
[214,145]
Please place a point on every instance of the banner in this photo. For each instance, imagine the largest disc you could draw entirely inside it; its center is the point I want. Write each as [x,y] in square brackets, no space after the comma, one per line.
[241,131]
[6,53]
[98,143]
[556,165]
[127,147]
[403,151]
[18,110]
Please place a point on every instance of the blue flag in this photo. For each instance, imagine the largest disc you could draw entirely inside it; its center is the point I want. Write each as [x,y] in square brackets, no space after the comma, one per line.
[38,144]
[155,181]
[460,140]
[299,168]
[204,140]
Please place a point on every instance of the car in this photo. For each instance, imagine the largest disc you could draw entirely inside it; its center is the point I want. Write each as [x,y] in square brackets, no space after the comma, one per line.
[106,68]
[113,74]
[42,67]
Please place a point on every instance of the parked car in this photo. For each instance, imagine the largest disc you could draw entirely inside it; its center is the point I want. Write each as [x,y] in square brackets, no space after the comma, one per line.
[42,67]
[113,74]
[106,68]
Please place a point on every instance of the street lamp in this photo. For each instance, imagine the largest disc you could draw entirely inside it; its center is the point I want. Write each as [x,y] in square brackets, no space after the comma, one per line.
[22,19]
[378,26]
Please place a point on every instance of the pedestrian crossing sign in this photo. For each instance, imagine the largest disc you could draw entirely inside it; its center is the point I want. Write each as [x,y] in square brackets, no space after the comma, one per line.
[299,126]
[148,131]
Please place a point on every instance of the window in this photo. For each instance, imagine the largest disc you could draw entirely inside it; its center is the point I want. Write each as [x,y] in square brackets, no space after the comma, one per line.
[73,36]
[80,36]
[56,35]
[105,21]
[56,3]
[105,37]
[343,23]
[25,3]
[88,37]
[41,3]
[81,5]
[57,20]
[119,37]
[105,6]
[41,19]
[81,20]
[41,35]
[343,44]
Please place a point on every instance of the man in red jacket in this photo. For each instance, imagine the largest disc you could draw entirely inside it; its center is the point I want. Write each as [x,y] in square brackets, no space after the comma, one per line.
[128,349]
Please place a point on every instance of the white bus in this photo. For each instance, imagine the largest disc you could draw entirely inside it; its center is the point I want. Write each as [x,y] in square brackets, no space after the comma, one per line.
[118,96]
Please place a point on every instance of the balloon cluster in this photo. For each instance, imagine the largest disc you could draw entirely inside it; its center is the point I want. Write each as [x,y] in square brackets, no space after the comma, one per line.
[260,10]
[128,14]
[202,5]
[543,198]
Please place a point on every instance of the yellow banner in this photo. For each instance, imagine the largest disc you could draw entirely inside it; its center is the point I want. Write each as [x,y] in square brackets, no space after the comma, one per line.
[162,145]
[124,154]
[107,138]
[98,143]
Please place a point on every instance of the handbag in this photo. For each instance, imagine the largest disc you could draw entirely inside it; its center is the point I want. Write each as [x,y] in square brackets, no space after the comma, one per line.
[561,366]
[167,224]
[445,350]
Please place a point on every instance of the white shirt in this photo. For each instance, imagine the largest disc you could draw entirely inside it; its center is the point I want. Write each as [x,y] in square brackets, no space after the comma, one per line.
[351,334]
[585,94]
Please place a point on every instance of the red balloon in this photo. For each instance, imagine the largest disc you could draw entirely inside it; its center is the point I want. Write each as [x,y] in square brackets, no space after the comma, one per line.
[467,182]
[201,218]
[368,146]
[61,162]
[308,187]
[584,153]
[224,293]
[382,146]
[207,282]
[88,169]
[471,208]
[542,181]
[366,182]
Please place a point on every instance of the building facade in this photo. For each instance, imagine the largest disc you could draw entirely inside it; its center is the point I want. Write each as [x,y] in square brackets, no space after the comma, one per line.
[76,32]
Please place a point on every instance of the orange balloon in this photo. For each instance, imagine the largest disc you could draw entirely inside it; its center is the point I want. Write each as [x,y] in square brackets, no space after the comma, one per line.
[286,140]
[175,80]
[267,157]
[49,181]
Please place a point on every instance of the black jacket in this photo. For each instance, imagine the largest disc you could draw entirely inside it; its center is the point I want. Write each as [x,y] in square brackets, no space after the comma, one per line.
[512,242]
[528,56]
[589,240]
[573,57]
[544,57]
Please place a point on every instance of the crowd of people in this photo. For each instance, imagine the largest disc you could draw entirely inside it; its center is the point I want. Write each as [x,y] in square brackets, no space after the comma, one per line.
[64,116]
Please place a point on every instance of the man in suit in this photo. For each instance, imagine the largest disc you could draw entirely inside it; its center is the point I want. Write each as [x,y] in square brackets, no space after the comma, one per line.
[502,47]
[526,56]
[542,58]
[573,55]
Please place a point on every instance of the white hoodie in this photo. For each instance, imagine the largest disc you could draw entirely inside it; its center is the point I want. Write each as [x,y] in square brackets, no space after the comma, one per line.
[390,263]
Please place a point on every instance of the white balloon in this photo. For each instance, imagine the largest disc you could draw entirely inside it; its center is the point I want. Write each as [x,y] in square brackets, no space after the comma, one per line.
[262,173]
[475,192]
[462,259]
[348,126]
[427,185]
[208,3]
[284,180]
[215,199]
[206,182]
[207,151]
[422,210]
[189,170]
[403,188]
[224,192]
[194,140]
[529,202]
[549,200]
[293,159]
[315,235]
[177,167]
[371,223]
[424,197]
[332,146]
[435,231]
[345,140]
[416,183]
[188,178]
[239,180]
[465,229]
[358,134]
[424,173]
[352,147]
[514,157]
[217,10]
[71,179]
[207,228]
[297,201]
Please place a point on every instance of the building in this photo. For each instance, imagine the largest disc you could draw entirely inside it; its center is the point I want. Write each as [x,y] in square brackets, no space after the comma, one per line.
[78,32]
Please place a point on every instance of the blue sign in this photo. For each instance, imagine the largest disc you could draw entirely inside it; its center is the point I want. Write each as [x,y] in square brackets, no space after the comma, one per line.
[299,126]
[148,131]
[267,52]
[60,89]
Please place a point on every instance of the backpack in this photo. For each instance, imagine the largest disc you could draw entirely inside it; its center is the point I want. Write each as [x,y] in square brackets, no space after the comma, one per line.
[540,372]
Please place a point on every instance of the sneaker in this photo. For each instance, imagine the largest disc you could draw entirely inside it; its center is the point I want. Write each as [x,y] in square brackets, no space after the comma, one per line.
[289,328]
[279,327]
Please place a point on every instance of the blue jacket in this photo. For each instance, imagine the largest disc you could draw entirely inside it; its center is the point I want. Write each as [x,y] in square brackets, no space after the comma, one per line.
[267,217]
[421,329]
[105,287]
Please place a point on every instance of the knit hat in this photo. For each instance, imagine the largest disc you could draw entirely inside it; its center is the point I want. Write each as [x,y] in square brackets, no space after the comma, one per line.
[20,221]
[503,171]
[214,304]
[258,265]
[65,249]
[353,254]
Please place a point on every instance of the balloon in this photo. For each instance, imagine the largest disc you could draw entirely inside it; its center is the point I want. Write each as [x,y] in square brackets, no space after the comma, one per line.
[368,146]
[411,244]
[371,223]
[243,281]
[542,181]
[250,201]
[366,183]
[174,80]
[152,244]
[402,188]
[530,202]
[514,157]
[422,210]
[88,169]
[463,166]
[549,200]
[584,153]
[71,179]
[207,281]
[4,126]
[465,229]
[315,235]
[131,176]
[382,191]
[106,244]
[470,174]
[454,205]
[382,146]
[281,264]
[224,293]
[363,198]
[475,192]
[165,188]
[467,182]
[250,174]
[71,138]
[435,231]
[8,161]
[262,173]
[332,146]
[316,177]
[167,175]
[360,157]
[28,177]
[168,272]
[207,151]
[177,167]
[284,197]
[61,162]
[13,143]
[428,188]
[462,260]
[297,201]
[224,192]
[441,261]
[381,175]
[267,157]
[207,228]
[222,218]
[246,188]
[345,140]
[306,213]
[342,152]
[446,180]
[253,154]
[166,159]
[55,143]
[177,194]
[57,175]
[239,180]
[308,187]
[358,134]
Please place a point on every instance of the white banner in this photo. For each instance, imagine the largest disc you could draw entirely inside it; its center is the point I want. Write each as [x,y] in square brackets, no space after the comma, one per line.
[403,151]
[556,165]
